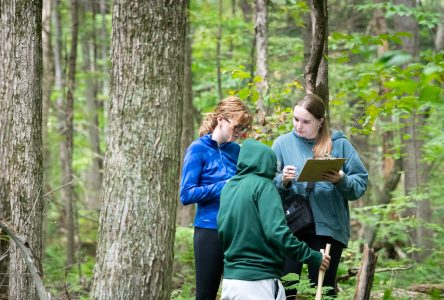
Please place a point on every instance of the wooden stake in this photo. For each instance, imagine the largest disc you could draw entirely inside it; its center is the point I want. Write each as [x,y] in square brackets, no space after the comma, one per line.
[321,275]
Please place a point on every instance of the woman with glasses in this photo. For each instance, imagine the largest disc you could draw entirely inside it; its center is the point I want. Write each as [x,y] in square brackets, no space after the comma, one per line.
[209,163]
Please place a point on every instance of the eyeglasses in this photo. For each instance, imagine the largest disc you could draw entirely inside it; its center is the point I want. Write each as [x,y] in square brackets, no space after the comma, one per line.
[238,128]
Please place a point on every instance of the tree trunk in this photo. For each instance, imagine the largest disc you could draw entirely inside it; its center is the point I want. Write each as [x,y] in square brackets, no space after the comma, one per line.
[366,273]
[6,113]
[21,134]
[218,52]
[415,171]
[141,173]
[260,28]
[322,77]
[94,175]
[319,24]
[66,145]
[185,214]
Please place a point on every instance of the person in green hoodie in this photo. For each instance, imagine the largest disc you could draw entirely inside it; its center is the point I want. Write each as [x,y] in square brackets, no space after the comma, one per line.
[253,230]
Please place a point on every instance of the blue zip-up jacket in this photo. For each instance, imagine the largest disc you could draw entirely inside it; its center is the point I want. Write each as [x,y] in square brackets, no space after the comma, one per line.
[329,202]
[206,169]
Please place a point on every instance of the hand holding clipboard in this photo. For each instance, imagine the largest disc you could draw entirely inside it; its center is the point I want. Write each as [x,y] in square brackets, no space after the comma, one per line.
[313,168]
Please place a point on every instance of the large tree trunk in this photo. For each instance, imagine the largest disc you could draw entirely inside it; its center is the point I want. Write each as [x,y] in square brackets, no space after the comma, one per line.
[260,27]
[415,171]
[141,174]
[21,133]
[185,213]
[94,175]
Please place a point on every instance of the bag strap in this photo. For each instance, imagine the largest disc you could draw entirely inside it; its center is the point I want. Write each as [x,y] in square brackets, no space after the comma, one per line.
[309,188]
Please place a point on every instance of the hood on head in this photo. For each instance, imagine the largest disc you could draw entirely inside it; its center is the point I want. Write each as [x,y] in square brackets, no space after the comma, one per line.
[256,158]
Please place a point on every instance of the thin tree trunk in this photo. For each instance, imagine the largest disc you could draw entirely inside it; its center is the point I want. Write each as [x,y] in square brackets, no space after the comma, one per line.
[390,173]
[21,134]
[185,214]
[141,173]
[104,52]
[415,171]
[66,145]
[319,23]
[218,52]
[260,27]
[94,175]
[322,77]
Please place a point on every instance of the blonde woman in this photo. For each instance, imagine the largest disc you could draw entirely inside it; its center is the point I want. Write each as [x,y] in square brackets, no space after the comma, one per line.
[209,163]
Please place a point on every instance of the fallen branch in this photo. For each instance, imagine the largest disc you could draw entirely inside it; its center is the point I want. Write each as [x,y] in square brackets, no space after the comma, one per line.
[29,259]
[351,272]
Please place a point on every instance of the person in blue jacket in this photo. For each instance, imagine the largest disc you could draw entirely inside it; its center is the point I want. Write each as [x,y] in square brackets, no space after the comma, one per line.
[311,138]
[210,161]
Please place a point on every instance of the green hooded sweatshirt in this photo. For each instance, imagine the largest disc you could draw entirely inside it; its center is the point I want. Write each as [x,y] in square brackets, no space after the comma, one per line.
[251,221]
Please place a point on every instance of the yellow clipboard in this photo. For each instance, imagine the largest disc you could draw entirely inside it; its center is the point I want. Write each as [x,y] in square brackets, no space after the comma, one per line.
[313,168]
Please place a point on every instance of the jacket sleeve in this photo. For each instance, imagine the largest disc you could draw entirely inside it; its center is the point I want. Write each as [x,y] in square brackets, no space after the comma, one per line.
[354,182]
[276,230]
[280,166]
[191,191]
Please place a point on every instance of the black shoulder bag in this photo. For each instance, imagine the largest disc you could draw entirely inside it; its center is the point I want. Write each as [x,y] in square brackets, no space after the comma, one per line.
[297,210]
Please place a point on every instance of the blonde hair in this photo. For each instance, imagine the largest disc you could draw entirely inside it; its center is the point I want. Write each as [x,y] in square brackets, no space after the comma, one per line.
[230,107]
[316,106]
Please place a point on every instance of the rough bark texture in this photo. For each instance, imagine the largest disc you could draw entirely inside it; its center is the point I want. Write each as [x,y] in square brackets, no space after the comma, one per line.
[319,22]
[185,214]
[6,110]
[322,77]
[21,133]
[141,173]
[415,171]
[260,28]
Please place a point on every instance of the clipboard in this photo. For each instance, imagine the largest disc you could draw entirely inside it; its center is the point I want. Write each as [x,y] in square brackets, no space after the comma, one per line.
[314,167]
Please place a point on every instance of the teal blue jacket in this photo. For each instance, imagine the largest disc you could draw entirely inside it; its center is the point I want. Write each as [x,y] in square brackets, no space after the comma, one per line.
[251,222]
[329,202]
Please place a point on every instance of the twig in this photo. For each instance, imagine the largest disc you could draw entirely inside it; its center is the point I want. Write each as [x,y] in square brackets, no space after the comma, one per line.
[29,260]
[61,187]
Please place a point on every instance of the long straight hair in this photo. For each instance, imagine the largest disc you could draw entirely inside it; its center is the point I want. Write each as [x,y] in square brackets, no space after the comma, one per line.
[316,106]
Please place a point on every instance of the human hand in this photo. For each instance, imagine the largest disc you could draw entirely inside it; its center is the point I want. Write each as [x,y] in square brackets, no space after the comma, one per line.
[288,173]
[333,176]
[325,264]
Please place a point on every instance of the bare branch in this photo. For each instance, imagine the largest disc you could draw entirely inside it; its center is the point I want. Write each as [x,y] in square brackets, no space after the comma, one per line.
[23,245]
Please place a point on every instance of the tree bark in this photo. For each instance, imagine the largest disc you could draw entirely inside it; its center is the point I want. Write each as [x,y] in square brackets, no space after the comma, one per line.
[260,27]
[366,273]
[141,173]
[185,214]
[21,134]
[319,23]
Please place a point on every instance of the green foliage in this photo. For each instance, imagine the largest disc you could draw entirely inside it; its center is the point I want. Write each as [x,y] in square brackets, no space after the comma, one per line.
[183,266]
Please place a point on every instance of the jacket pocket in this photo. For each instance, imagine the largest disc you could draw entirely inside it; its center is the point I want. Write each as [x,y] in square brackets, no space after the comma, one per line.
[324,206]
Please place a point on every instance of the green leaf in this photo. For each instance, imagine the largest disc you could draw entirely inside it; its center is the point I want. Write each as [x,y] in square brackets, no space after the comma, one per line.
[244,93]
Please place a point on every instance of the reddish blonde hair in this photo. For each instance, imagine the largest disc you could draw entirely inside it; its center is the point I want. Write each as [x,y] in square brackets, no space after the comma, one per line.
[230,107]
